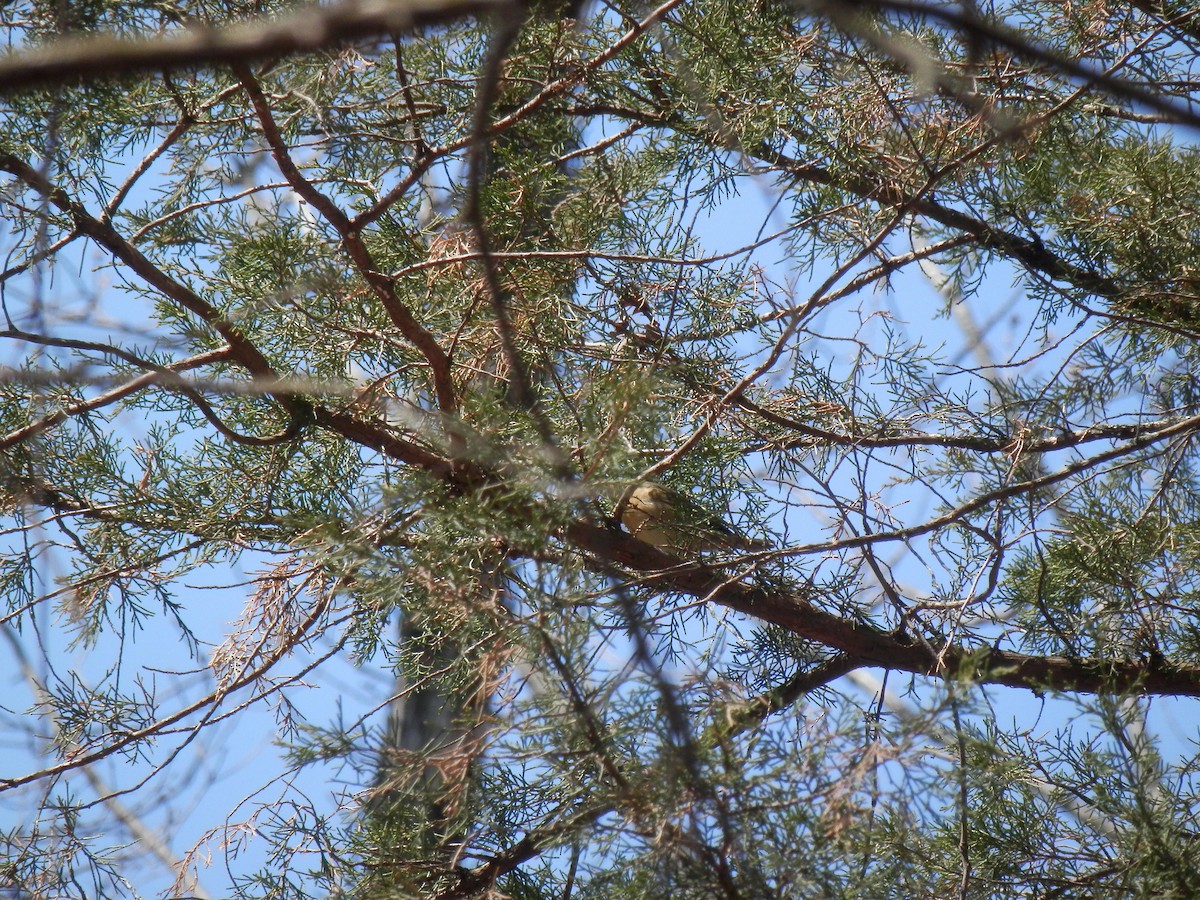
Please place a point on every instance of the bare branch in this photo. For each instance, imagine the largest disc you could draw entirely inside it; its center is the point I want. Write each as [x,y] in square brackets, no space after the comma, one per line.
[309,29]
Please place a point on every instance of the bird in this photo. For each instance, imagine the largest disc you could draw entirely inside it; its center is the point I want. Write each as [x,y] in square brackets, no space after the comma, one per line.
[672,522]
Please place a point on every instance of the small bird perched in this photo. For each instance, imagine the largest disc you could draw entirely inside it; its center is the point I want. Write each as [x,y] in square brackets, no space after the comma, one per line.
[670,521]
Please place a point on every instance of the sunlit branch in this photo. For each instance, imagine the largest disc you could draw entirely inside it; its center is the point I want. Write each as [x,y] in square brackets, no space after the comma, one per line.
[311,28]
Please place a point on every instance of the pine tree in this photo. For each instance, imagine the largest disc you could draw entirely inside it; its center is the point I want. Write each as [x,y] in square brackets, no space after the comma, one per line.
[363,314]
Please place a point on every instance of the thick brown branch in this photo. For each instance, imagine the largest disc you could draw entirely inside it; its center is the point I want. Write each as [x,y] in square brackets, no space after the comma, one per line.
[871,646]
[311,28]
[455,472]
[398,312]
[1030,252]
